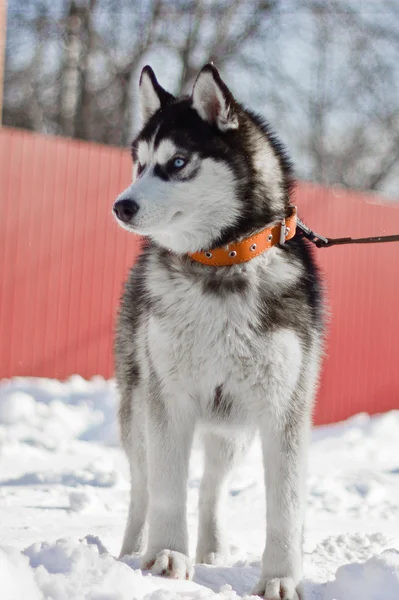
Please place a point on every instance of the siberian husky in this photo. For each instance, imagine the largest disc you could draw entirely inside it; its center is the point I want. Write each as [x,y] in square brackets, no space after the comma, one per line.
[220,329]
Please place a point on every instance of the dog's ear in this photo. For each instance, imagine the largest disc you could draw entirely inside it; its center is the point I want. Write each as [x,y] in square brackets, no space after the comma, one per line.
[213,101]
[152,95]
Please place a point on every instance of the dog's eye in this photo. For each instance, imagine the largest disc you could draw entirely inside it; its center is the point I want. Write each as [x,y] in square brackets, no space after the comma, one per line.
[179,162]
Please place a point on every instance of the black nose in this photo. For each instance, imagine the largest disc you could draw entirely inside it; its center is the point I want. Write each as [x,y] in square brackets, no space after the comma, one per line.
[125,209]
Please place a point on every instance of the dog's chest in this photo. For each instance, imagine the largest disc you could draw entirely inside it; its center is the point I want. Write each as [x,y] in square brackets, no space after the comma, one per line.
[205,337]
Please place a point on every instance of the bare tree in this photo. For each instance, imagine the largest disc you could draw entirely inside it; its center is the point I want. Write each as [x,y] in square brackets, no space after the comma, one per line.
[100,48]
[337,102]
[326,73]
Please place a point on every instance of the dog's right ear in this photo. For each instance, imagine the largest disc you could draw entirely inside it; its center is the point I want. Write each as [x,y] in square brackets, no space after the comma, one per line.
[152,95]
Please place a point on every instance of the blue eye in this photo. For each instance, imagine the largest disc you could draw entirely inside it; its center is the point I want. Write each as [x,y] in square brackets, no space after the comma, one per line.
[179,162]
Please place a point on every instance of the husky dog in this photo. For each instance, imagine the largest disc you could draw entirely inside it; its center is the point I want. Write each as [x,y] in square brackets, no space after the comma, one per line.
[231,349]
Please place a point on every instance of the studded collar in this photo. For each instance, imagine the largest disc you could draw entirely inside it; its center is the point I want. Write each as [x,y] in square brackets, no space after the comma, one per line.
[245,250]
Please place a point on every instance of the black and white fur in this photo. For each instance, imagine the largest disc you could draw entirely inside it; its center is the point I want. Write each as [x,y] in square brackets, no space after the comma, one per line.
[230,350]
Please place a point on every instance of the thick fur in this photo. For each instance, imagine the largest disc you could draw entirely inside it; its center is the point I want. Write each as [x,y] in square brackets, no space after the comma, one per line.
[231,350]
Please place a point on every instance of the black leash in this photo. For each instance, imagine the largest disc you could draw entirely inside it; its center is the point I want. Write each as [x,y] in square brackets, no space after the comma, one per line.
[322,242]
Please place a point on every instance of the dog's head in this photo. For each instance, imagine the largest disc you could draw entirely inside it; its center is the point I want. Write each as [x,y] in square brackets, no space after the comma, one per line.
[206,171]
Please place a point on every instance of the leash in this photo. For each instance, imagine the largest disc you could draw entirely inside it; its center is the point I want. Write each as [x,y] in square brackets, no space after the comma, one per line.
[278,233]
[322,242]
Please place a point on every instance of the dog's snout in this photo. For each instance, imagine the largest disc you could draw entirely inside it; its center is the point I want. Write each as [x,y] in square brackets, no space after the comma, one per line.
[125,209]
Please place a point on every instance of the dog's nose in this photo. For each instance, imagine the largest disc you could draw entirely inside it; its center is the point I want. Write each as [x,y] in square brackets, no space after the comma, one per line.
[125,209]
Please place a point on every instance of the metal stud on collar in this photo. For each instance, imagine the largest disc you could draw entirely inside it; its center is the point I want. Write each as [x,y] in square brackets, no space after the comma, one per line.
[232,254]
[270,237]
[253,248]
[208,254]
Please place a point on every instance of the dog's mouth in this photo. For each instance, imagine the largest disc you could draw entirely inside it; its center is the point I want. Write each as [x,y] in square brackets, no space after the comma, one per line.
[141,229]
[127,226]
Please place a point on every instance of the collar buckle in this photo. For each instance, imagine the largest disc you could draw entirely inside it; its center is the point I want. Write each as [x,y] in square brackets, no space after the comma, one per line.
[283,232]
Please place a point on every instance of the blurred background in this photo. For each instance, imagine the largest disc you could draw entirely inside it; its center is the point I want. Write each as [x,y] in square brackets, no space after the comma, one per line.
[325,74]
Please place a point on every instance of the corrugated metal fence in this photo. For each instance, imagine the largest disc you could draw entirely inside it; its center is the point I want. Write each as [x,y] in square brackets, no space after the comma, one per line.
[63,260]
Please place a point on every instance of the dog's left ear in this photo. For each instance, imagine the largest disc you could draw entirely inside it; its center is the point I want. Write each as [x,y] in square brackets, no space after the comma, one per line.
[213,100]
[152,95]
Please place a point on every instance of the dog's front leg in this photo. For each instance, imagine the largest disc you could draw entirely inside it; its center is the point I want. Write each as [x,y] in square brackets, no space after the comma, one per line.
[285,470]
[170,434]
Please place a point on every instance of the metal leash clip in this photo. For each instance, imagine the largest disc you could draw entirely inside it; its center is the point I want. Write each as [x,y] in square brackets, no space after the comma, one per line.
[313,236]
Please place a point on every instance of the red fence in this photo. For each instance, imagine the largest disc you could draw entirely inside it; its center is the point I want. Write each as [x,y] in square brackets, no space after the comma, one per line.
[63,260]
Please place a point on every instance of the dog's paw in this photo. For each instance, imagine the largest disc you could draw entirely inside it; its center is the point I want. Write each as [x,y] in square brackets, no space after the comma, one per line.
[277,588]
[212,548]
[212,558]
[168,563]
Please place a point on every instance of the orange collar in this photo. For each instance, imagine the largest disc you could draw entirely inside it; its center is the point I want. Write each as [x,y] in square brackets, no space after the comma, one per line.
[248,248]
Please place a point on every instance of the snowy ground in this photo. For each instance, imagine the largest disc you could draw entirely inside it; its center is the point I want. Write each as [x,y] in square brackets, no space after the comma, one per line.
[64,493]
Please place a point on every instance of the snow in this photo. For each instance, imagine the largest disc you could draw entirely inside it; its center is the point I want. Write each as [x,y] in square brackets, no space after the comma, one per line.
[64,499]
